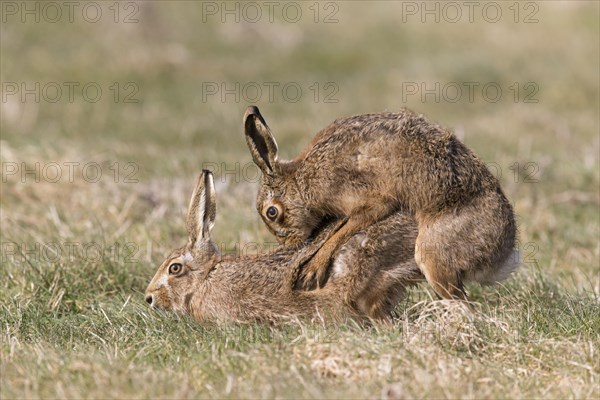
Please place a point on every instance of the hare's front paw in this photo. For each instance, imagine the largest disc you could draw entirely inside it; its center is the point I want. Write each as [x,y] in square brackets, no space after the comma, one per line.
[314,273]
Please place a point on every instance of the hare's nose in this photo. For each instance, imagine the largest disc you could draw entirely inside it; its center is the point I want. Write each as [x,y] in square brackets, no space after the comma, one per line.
[149,299]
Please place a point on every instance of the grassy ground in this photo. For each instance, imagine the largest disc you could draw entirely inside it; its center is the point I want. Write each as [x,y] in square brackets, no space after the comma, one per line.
[79,250]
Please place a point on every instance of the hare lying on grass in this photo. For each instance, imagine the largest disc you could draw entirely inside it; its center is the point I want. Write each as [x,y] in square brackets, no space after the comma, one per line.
[364,168]
[369,274]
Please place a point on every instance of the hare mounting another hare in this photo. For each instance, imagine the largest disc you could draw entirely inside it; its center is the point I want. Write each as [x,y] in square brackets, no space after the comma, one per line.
[370,272]
[362,169]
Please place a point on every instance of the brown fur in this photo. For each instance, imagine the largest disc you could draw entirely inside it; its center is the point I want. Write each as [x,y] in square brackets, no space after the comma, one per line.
[368,277]
[363,168]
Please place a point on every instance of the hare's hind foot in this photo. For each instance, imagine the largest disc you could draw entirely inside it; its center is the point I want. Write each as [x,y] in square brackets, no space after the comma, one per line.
[445,281]
[448,287]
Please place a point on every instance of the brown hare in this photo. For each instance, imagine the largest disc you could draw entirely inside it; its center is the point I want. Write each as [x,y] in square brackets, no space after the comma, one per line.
[370,273]
[363,168]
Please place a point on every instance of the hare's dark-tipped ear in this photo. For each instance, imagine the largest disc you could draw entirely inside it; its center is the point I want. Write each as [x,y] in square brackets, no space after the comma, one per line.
[202,210]
[260,140]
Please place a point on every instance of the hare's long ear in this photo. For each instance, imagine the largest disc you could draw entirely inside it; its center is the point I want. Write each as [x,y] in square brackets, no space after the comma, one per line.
[260,140]
[202,210]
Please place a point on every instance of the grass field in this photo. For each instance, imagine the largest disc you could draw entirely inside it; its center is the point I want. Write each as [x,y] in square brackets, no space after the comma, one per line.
[94,192]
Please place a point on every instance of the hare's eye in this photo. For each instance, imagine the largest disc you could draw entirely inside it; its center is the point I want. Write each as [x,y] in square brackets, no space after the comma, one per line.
[175,268]
[272,213]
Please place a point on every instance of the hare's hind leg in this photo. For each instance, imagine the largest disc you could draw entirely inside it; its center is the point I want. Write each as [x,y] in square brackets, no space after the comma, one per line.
[474,239]
[436,263]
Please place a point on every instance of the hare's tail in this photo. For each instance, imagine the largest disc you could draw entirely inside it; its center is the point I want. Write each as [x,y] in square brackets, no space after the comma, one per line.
[499,273]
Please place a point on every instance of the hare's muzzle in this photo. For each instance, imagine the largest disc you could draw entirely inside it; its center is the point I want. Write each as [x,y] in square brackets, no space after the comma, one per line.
[149,299]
